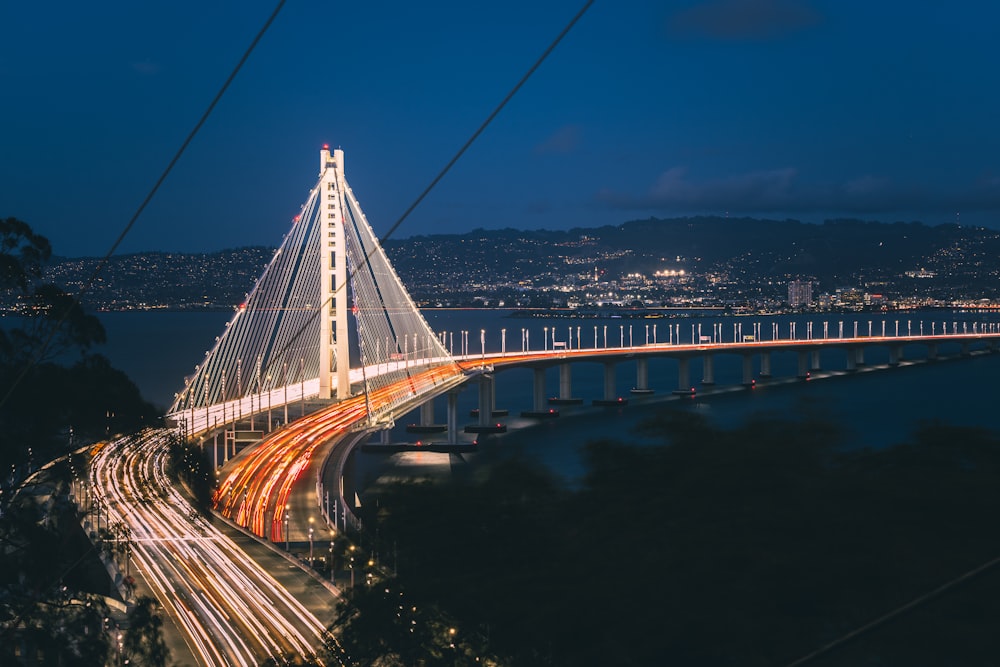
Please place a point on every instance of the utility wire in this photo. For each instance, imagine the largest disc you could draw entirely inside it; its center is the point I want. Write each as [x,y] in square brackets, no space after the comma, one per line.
[843,639]
[131,223]
[441,174]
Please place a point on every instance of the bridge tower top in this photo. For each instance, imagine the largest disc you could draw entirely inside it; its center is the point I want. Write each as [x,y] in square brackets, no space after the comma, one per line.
[330,159]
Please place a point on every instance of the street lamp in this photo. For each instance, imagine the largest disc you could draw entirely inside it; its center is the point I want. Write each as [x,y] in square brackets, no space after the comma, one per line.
[351,566]
[287,516]
[310,542]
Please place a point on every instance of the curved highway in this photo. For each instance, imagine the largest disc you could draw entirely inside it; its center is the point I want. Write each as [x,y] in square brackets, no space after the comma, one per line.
[231,610]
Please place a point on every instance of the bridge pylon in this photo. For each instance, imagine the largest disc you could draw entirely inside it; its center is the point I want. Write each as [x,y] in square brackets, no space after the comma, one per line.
[292,338]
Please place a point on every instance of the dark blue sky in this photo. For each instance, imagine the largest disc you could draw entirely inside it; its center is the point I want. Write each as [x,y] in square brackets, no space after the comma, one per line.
[793,108]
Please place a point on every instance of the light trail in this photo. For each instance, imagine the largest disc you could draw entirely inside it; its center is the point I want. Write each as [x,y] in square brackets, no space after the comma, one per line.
[231,611]
[260,484]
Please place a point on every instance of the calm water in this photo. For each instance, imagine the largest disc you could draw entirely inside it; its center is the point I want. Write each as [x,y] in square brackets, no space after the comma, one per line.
[157,349]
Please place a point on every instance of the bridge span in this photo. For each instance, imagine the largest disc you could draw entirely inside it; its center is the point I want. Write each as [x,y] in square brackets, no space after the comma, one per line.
[280,476]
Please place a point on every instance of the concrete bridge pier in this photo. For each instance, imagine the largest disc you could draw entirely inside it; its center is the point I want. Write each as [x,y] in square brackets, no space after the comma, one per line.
[611,396]
[426,423]
[765,364]
[487,399]
[859,356]
[539,389]
[708,369]
[852,359]
[538,397]
[803,371]
[453,417]
[895,354]
[815,364]
[932,351]
[966,350]
[642,377]
[684,375]
[566,387]
[427,413]
[747,369]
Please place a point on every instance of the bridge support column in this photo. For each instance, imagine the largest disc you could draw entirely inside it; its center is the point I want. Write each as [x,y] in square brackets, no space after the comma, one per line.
[611,396]
[803,371]
[610,390]
[539,410]
[453,417]
[683,374]
[539,392]
[859,356]
[895,354]
[932,351]
[427,413]
[642,376]
[566,387]
[747,370]
[565,381]
[966,350]
[815,364]
[708,369]
[385,436]
[852,359]
[486,399]
[765,364]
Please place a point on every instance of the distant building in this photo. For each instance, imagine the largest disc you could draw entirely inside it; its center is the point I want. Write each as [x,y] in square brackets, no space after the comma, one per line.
[800,293]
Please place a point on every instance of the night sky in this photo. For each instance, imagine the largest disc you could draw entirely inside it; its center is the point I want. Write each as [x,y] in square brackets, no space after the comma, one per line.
[811,109]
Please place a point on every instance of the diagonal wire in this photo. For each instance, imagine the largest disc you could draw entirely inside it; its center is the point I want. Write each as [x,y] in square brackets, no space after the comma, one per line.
[441,174]
[888,616]
[145,202]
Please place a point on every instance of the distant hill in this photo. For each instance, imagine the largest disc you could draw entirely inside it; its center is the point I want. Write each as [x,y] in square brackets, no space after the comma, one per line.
[833,253]
[727,253]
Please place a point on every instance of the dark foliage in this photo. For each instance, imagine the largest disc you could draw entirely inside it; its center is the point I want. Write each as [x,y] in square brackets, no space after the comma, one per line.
[751,546]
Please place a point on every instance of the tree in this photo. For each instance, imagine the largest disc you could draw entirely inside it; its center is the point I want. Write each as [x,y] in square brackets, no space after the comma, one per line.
[143,642]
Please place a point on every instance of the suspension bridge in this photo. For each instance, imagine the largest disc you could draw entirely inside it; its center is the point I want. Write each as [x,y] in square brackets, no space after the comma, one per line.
[330,329]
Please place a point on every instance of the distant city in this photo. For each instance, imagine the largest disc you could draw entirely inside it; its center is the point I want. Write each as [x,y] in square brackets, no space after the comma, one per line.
[644,265]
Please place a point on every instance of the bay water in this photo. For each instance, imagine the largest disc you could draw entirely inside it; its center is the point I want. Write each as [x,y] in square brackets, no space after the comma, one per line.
[876,406]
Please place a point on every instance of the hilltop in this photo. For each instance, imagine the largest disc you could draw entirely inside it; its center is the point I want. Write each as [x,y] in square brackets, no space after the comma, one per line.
[741,262]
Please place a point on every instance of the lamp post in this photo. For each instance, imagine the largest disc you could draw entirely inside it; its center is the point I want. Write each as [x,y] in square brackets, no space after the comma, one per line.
[287,516]
[310,542]
[545,338]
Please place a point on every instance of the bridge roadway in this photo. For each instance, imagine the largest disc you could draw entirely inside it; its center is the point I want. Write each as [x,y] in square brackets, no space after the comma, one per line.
[273,487]
[227,607]
[196,422]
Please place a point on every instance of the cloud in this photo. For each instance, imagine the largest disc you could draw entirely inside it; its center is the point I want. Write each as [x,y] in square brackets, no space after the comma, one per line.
[744,19]
[784,190]
[564,140]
